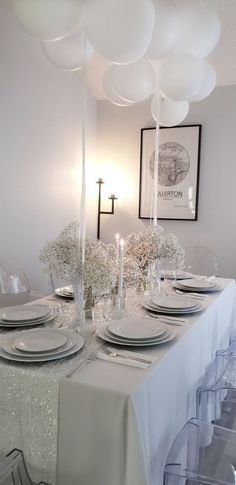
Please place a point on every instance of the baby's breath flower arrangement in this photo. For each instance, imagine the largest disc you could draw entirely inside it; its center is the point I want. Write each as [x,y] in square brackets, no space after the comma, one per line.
[144,247]
[61,257]
[153,244]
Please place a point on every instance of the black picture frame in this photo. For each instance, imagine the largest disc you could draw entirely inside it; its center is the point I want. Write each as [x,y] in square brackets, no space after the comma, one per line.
[179,169]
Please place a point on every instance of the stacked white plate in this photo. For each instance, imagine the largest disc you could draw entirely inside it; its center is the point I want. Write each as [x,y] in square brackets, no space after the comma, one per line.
[39,345]
[197,285]
[135,332]
[25,315]
[171,304]
[175,275]
[65,292]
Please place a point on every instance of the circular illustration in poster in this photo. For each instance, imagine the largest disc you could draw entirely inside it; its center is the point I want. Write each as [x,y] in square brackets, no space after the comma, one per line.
[173,164]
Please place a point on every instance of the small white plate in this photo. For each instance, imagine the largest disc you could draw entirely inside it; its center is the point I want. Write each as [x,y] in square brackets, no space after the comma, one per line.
[24,313]
[44,358]
[162,311]
[196,283]
[41,340]
[174,302]
[199,289]
[101,332]
[131,341]
[8,345]
[136,328]
[33,323]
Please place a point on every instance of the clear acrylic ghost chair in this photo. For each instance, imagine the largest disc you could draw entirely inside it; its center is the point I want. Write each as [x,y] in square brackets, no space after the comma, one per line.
[200,261]
[192,462]
[14,285]
[13,470]
[216,398]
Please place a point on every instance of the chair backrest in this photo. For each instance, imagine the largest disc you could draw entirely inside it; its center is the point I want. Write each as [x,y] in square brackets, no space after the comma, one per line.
[14,285]
[201,261]
[202,454]
[13,470]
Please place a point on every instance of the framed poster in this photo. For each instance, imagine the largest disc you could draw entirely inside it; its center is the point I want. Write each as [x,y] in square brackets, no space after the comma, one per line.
[178,172]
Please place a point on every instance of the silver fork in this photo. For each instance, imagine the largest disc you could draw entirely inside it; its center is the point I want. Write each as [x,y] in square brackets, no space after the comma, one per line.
[126,356]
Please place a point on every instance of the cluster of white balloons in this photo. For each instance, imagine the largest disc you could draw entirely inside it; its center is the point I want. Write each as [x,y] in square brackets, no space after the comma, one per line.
[132,35]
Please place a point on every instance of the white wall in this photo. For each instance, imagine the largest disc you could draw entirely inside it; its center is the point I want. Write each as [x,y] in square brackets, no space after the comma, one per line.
[119,142]
[40,148]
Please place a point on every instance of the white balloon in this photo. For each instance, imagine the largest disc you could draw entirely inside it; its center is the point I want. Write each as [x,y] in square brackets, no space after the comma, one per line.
[133,82]
[168,112]
[200,29]
[49,19]
[167,29]
[120,30]
[70,53]
[181,76]
[109,92]
[208,84]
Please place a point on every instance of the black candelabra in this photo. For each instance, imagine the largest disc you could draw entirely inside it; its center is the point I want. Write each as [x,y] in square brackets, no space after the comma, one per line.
[112,198]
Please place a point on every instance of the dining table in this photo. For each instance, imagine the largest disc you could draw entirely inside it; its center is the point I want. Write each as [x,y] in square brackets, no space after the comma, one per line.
[105,423]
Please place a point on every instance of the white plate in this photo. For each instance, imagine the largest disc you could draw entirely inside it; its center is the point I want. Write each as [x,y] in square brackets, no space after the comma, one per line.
[143,341]
[162,311]
[199,289]
[136,328]
[8,345]
[41,340]
[44,358]
[196,283]
[173,302]
[40,321]
[23,313]
[102,334]
[179,275]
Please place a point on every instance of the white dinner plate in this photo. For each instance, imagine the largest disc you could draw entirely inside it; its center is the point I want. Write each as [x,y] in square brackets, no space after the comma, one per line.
[8,345]
[101,332]
[143,341]
[44,358]
[41,340]
[199,289]
[40,321]
[24,313]
[163,311]
[136,328]
[196,283]
[173,302]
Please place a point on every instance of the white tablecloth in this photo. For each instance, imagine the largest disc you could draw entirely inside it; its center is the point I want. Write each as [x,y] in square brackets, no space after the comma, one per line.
[117,423]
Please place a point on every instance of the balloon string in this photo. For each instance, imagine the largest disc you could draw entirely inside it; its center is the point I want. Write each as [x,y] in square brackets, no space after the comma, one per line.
[82,219]
[155,178]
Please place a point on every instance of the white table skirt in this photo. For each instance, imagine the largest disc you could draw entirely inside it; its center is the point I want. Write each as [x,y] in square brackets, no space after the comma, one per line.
[117,423]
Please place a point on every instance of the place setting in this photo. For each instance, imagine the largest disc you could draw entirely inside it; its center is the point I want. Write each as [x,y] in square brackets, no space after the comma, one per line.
[168,307]
[135,332]
[198,285]
[21,316]
[39,345]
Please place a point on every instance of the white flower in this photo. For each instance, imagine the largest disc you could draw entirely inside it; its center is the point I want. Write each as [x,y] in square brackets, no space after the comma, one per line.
[152,244]
[61,257]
